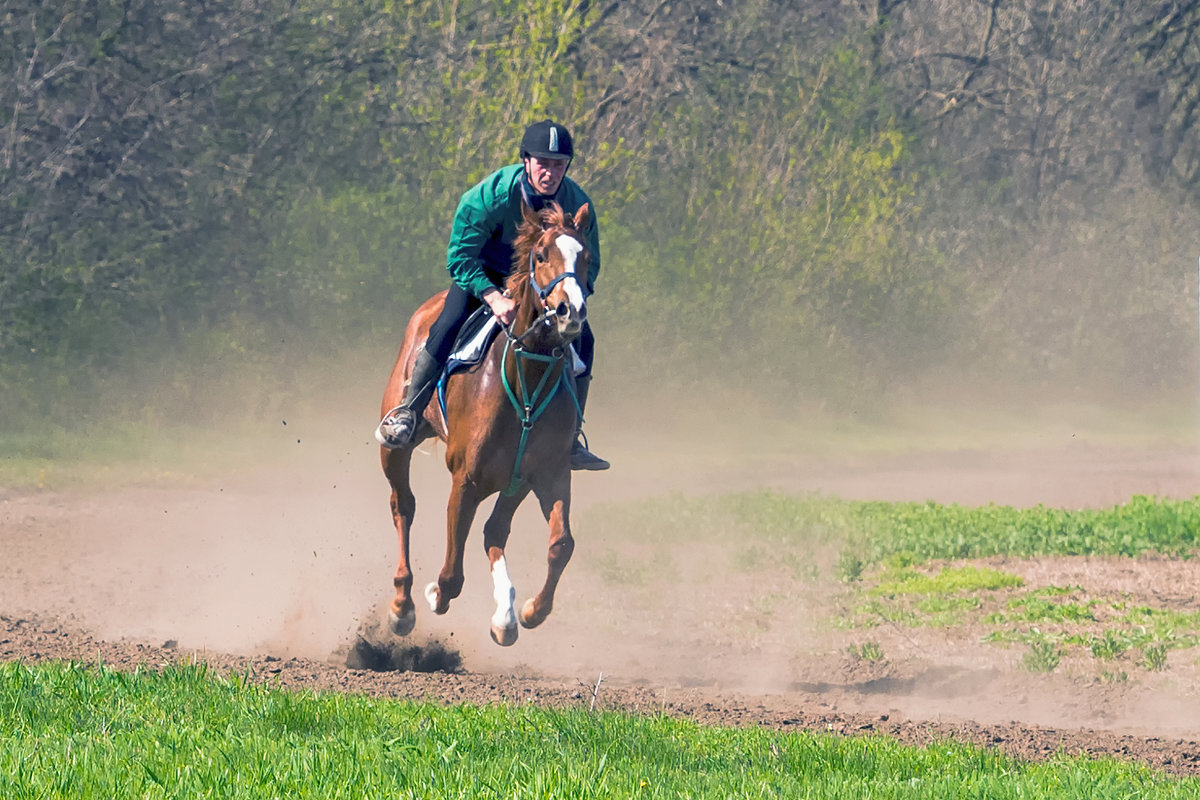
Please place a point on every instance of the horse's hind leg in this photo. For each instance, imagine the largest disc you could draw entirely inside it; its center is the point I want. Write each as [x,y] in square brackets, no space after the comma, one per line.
[555,501]
[495,537]
[402,614]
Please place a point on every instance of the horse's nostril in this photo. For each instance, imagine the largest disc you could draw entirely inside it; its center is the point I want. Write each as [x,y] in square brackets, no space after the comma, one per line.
[563,309]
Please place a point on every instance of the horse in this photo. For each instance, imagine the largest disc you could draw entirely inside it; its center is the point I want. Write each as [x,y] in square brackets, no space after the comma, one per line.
[508,425]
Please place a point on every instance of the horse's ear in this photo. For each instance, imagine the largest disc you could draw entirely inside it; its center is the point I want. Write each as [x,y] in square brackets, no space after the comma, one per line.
[582,216]
[530,216]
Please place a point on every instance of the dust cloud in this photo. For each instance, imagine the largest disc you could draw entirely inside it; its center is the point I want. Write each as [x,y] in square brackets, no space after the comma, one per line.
[283,543]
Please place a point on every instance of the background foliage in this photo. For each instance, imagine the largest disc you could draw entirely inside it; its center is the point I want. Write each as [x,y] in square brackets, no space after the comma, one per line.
[818,201]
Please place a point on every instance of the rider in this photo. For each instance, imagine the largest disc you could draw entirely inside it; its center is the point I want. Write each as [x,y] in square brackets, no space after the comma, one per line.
[479,258]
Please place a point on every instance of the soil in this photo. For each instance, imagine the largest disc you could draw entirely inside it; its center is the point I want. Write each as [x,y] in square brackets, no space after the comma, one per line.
[284,571]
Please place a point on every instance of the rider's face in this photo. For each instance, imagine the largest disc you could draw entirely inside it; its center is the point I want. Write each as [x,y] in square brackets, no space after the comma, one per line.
[545,174]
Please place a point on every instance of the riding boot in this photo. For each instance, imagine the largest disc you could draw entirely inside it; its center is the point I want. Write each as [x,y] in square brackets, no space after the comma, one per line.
[581,457]
[399,426]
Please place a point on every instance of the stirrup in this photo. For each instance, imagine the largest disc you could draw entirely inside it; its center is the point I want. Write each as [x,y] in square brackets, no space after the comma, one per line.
[397,428]
[584,459]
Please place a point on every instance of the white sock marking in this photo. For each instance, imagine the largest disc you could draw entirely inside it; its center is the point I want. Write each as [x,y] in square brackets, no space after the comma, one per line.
[504,593]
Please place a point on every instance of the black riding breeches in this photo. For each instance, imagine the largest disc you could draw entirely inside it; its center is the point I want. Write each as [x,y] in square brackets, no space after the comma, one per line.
[585,345]
[460,305]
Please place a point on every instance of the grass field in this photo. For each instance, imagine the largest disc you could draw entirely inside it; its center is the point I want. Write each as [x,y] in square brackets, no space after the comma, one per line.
[910,565]
[70,730]
[84,731]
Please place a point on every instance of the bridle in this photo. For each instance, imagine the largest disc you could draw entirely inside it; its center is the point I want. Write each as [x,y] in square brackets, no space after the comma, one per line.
[529,405]
[544,318]
[543,293]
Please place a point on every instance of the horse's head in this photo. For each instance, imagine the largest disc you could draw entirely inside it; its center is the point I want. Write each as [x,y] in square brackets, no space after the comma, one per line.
[550,265]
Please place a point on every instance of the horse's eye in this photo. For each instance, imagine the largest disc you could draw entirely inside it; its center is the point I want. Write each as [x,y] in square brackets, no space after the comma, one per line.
[541,257]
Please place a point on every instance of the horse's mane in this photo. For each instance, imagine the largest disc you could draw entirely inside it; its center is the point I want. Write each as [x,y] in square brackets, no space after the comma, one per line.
[552,216]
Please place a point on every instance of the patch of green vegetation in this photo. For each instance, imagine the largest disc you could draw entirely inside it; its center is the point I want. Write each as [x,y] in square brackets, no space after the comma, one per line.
[868,652]
[1108,644]
[1055,591]
[1160,619]
[867,533]
[905,596]
[945,612]
[850,567]
[951,580]
[1033,608]
[1154,657]
[1105,628]
[882,553]
[68,730]
[932,531]
[1043,656]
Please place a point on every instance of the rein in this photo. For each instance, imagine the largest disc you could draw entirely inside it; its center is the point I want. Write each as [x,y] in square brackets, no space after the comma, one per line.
[542,294]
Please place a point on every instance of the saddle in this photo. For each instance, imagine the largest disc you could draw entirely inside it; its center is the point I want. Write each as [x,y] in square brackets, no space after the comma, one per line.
[474,338]
[472,341]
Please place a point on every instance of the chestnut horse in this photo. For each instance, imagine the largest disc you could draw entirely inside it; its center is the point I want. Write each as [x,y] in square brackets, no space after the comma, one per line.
[508,425]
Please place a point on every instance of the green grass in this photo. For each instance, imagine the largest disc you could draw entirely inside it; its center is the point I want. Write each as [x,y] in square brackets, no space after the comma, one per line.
[73,731]
[1043,656]
[905,596]
[1141,634]
[868,651]
[793,527]
[887,556]
[931,531]
[1037,607]
[82,732]
[950,580]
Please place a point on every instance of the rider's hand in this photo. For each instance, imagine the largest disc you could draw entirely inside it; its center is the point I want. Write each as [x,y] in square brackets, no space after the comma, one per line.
[503,307]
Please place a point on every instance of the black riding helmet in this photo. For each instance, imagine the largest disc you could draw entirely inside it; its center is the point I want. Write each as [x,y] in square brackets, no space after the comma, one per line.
[547,139]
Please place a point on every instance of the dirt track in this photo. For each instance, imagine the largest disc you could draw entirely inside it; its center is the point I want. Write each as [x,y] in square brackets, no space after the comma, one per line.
[278,569]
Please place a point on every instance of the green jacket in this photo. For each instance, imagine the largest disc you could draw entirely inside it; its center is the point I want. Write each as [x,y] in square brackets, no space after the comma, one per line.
[479,256]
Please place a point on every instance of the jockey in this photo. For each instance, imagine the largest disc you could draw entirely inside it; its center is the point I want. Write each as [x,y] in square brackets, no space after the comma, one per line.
[479,258]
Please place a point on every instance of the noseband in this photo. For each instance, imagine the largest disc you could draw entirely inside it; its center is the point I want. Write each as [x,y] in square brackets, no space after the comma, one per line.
[544,292]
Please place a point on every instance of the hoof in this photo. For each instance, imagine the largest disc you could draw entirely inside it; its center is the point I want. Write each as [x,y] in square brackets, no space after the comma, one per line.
[505,637]
[528,618]
[432,595]
[402,624]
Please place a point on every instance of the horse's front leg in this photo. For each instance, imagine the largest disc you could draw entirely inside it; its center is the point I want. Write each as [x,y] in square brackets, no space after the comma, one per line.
[495,538]
[460,513]
[402,614]
[555,500]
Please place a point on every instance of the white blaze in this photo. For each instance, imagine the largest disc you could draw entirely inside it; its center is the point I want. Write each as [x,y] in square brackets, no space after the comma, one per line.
[570,249]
